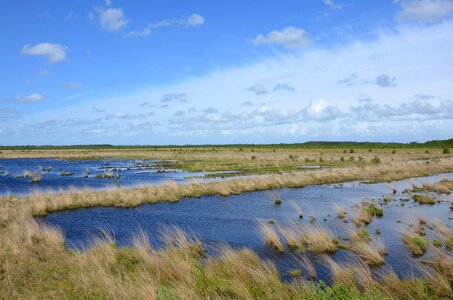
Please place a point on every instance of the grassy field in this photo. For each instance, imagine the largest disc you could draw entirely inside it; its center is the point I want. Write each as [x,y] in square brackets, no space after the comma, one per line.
[34,262]
[250,159]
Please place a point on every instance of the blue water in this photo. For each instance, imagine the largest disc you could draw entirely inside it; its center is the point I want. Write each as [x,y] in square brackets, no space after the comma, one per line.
[233,220]
[127,173]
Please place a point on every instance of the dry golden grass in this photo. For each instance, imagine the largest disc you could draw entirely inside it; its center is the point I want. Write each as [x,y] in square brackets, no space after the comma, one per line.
[308,267]
[292,234]
[368,253]
[318,239]
[297,209]
[270,236]
[354,274]
[341,212]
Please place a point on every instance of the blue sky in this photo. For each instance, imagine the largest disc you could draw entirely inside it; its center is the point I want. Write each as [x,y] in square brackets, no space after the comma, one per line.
[196,72]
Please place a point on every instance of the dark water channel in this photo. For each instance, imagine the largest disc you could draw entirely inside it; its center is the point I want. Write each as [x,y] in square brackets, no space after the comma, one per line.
[55,174]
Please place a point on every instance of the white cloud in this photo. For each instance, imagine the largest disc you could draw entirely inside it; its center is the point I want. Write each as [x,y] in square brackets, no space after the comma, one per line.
[425,10]
[54,52]
[284,86]
[180,97]
[258,89]
[9,113]
[29,98]
[382,80]
[195,20]
[385,80]
[71,16]
[332,5]
[72,86]
[421,108]
[397,114]
[142,33]
[126,116]
[111,19]
[192,21]
[320,110]
[289,37]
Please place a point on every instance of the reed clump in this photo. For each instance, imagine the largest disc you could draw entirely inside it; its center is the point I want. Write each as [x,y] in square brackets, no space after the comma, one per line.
[369,253]
[339,210]
[317,239]
[270,236]
[416,243]
[424,199]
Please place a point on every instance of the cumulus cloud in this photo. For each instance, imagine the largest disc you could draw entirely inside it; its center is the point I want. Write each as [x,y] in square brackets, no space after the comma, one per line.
[195,20]
[385,80]
[382,80]
[283,86]
[289,37]
[320,110]
[174,97]
[29,98]
[95,109]
[258,89]
[126,116]
[111,19]
[419,109]
[53,52]
[425,10]
[247,103]
[332,5]
[350,80]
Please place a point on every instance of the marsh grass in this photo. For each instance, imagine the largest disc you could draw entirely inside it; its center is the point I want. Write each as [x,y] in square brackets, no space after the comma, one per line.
[292,234]
[64,173]
[270,236]
[416,243]
[297,209]
[424,199]
[359,235]
[340,211]
[308,266]
[276,199]
[34,262]
[318,239]
[43,203]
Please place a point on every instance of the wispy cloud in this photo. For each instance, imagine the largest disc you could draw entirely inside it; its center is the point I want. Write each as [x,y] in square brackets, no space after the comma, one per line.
[71,86]
[191,21]
[71,16]
[382,80]
[32,98]
[9,113]
[126,116]
[179,97]
[332,5]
